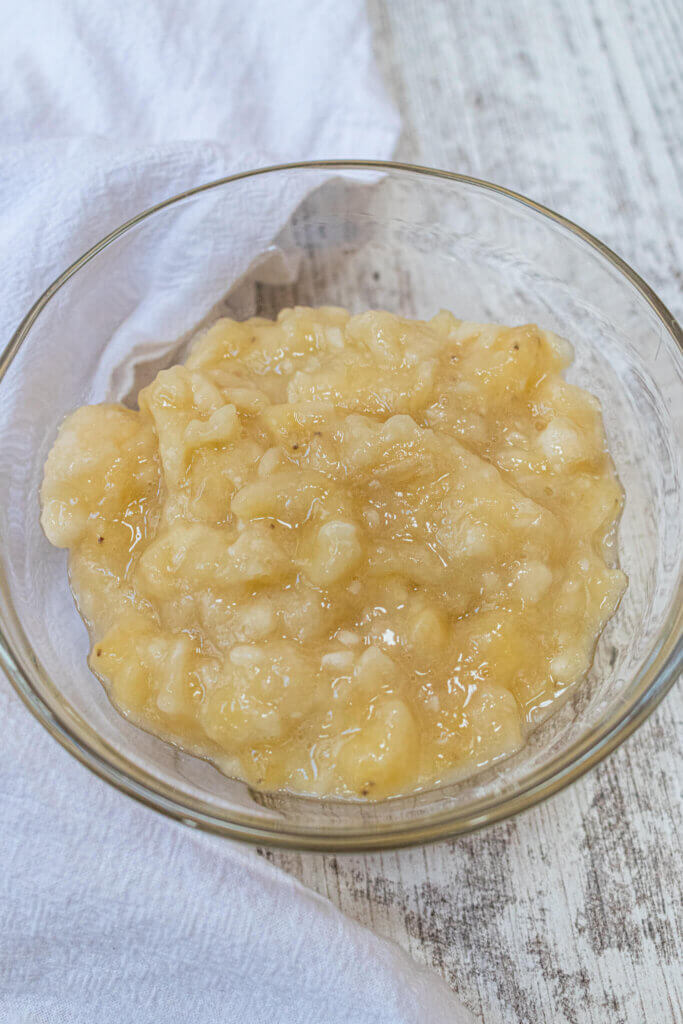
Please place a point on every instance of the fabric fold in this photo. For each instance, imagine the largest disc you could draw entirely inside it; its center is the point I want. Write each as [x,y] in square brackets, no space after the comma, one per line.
[110,912]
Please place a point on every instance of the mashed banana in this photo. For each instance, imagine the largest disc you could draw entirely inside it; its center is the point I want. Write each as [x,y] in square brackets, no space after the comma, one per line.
[343,554]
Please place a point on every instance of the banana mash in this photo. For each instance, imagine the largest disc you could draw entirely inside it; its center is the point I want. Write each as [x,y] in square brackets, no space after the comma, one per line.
[343,555]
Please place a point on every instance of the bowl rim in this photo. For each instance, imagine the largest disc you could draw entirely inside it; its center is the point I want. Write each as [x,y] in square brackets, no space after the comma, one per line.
[656,676]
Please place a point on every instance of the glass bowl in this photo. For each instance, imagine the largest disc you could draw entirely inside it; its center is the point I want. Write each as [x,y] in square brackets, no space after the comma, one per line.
[360,235]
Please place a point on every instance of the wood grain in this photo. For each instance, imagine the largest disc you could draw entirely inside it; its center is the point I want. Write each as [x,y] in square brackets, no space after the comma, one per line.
[571,913]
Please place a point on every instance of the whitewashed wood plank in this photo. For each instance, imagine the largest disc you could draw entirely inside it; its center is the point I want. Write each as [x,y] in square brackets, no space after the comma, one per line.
[571,913]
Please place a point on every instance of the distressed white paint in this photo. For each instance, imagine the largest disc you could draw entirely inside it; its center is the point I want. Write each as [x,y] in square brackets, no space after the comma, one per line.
[571,913]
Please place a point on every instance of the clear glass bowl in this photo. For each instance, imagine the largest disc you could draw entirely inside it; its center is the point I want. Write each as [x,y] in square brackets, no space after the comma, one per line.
[362,235]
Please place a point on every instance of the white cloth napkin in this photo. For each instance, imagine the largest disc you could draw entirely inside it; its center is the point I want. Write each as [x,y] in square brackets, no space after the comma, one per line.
[109,912]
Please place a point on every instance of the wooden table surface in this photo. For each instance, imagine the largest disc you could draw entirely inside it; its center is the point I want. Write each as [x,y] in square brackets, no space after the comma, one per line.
[572,912]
